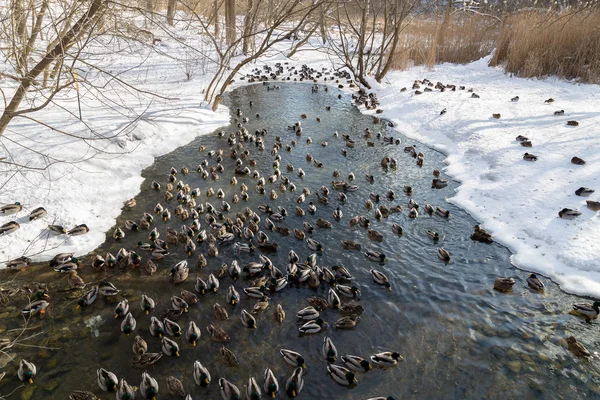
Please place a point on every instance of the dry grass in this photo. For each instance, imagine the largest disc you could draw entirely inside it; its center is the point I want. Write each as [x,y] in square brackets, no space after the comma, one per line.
[535,44]
[457,39]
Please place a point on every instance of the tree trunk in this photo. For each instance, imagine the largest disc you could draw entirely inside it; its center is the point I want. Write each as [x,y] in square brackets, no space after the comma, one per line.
[171,6]
[149,12]
[217,21]
[361,43]
[230,34]
[57,52]
[248,27]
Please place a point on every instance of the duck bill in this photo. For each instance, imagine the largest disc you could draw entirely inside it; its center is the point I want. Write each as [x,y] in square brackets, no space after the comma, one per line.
[194,343]
[116,316]
[147,312]
[30,380]
[176,354]
[273,395]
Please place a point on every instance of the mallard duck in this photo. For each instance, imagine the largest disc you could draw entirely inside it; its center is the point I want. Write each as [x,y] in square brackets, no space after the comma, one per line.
[179,272]
[397,229]
[124,391]
[175,387]
[348,291]
[439,183]
[228,390]
[9,227]
[442,212]
[583,191]
[38,306]
[11,208]
[593,205]
[261,305]
[577,161]
[248,320]
[189,297]
[82,395]
[59,230]
[577,348]
[148,387]
[375,256]
[147,304]
[75,280]
[128,325]
[568,213]
[179,304]
[322,223]
[342,375]
[535,283]
[228,357]
[169,347]
[481,235]
[586,310]
[314,245]
[253,391]
[308,314]
[292,358]
[27,371]
[279,313]
[88,297]
[172,328]
[374,235]
[413,213]
[347,322]
[312,327]
[328,350]
[37,213]
[107,381]
[145,360]
[156,327]
[529,157]
[356,363]
[386,359]
[504,284]
[380,278]
[271,384]
[443,255]
[201,374]
[217,334]
[139,346]
[78,230]
[295,383]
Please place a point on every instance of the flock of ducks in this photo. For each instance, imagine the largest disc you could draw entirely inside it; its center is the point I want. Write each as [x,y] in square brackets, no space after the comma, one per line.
[247,232]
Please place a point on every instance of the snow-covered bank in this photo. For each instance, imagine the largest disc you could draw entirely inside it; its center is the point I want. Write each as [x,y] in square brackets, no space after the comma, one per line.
[516,200]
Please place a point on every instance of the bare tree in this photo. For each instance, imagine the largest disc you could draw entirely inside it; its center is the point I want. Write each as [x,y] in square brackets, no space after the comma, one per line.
[366,35]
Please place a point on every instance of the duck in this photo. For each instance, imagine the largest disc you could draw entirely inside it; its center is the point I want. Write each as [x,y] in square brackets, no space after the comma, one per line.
[593,205]
[350,245]
[253,391]
[147,304]
[248,320]
[535,283]
[577,348]
[333,299]
[201,374]
[295,383]
[124,390]
[9,227]
[145,360]
[217,334]
[128,325]
[27,371]
[586,310]
[386,359]
[148,387]
[351,292]
[172,328]
[75,280]
[347,322]
[568,213]
[504,284]
[228,357]
[179,272]
[271,385]
[374,235]
[373,255]
[139,346]
[314,245]
[308,313]
[107,381]
[328,350]
[57,229]
[260,306]
[342,375]
[156,327]
[37,213]
[38,306]
[583,191]
[529,157]
[443,254]
[312,327]
[413,213]
[577,161]
[189,297]
[10,209]
[442,212]
[175,386]
[88,297]
[380,278]
[481,235]
[220,313]
[293,358]
[228,390]
[439,183]
[169,347]
[179,304]
[356,363]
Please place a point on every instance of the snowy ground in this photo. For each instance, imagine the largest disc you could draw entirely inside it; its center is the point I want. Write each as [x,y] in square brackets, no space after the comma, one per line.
[516,200]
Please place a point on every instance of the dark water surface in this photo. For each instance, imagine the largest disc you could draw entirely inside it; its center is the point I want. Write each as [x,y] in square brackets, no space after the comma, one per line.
[459,338]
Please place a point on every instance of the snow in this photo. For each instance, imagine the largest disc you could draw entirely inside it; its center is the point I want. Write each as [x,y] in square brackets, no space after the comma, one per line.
[517,201]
